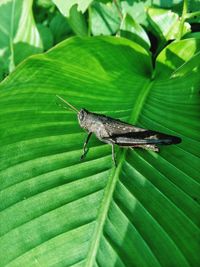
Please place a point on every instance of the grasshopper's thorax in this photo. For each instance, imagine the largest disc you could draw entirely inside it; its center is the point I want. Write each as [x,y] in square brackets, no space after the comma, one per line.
[91,122]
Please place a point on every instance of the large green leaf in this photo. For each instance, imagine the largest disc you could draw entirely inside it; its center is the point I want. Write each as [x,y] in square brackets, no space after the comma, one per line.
[58,211]
[19,36]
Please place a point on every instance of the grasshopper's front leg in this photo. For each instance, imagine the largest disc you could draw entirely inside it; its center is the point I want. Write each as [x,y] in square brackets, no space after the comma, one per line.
[85,150]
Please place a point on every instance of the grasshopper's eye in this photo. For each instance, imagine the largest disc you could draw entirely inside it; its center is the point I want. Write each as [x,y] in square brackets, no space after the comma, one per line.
[81,115]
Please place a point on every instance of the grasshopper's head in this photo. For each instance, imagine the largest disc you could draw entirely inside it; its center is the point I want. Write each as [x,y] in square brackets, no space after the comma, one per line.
[82,117]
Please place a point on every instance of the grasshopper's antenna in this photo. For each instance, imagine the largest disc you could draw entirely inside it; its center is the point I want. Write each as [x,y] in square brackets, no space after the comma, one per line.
[64,101]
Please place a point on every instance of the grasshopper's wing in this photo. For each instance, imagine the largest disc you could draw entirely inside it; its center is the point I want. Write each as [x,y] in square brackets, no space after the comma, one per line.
[124,134]
[118,127]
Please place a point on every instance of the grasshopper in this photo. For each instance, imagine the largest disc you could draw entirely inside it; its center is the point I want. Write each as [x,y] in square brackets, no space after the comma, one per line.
[116,132]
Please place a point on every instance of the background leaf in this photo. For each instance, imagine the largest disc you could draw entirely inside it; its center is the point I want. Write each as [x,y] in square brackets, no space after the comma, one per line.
[19,36]
[65,6]
[56,210]
[46,36]
[166,23]
[175,55]
[60,28]
[191,65]
[77,21]
[104,18]
[133,31]
[137,10]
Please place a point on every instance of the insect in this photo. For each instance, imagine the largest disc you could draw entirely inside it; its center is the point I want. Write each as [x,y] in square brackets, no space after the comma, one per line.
[116,132]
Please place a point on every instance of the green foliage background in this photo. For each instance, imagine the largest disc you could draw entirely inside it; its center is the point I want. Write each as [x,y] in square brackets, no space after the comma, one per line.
[144,69]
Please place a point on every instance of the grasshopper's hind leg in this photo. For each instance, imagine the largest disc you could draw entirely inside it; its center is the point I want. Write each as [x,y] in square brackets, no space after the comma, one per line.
[111,142]
[85,149]
[113,155]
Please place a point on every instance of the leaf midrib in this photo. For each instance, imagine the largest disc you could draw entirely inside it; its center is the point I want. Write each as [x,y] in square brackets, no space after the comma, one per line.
[112,180]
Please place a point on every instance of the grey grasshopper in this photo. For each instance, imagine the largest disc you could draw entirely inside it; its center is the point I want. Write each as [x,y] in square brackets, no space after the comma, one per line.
[116,132]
